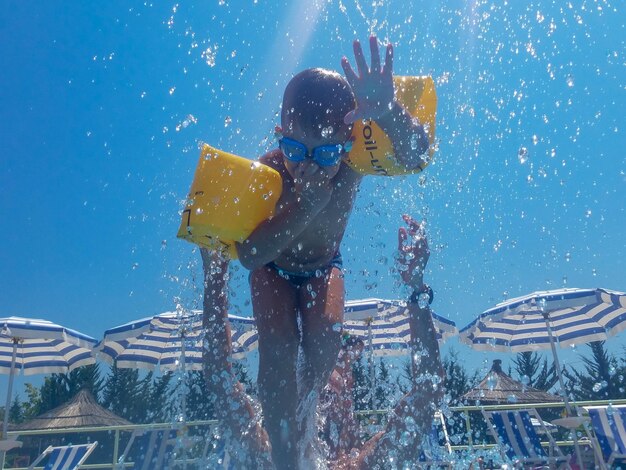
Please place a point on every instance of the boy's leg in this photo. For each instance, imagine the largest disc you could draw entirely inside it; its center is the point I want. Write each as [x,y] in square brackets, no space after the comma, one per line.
[322,314]
[275,305]
[321,306]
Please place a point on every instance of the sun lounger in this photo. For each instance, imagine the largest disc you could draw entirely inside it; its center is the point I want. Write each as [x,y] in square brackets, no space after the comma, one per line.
[151,449]
[65,457]
[518,439]
[609,425]
[436,447]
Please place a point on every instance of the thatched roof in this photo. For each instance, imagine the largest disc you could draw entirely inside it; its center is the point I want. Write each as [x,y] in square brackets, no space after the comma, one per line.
[81,411]
[497,387]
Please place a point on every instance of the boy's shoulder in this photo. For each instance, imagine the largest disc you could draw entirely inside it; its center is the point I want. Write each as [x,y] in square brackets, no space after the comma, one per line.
[273,159]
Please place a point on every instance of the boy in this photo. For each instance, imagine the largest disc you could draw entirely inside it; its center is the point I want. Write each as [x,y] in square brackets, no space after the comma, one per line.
[239,418]
[296,274]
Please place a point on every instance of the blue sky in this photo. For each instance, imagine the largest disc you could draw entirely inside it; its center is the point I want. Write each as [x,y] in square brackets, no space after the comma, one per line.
[103,109]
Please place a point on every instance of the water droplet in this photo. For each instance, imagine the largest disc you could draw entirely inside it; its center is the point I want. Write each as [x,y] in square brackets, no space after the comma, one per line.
[570,81]
[414,141]
[568,256]
[337,327]
[492,380]
[522,155]
[327,132]
[253,250]
[596,387]
[542,304]
[227,121]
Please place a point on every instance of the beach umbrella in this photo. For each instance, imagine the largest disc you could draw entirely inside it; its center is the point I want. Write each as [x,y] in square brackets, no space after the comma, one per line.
[383,325]
[546,319]
[34,346]
[170,341]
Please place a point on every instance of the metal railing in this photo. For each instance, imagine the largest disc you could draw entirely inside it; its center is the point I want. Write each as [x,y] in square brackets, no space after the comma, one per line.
[464,411]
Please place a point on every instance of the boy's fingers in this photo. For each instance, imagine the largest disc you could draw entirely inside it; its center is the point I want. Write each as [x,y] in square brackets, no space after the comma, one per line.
[349,71]
[359,58]
[375,54]
[388,59]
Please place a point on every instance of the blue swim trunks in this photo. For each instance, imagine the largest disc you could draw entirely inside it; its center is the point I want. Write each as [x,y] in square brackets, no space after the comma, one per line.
[297,279]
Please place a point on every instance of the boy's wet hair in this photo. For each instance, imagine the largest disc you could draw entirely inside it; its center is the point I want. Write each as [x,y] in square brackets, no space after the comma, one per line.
[316,99]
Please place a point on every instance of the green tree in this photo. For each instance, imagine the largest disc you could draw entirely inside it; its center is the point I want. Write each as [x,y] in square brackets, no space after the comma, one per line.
[199,403]
[241,372]
[32,405]
[60,388]
[122,392]
[361,393]
[160,406]
[597,381]
[540,376]
[385,391]
[16,414]
[458,380]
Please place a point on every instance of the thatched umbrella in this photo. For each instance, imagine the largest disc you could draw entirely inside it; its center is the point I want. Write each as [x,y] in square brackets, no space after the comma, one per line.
[497,387]
[81,411]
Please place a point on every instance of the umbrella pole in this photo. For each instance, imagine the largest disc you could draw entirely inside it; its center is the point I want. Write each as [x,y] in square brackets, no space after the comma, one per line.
[7,406]
[371,363]
[568,409]
[184,397]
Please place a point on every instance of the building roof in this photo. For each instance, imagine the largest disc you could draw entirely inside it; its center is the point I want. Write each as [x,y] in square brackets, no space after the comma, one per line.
[81,411]
[497,387]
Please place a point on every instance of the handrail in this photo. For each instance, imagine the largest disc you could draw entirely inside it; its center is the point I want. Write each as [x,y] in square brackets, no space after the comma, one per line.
[212,422]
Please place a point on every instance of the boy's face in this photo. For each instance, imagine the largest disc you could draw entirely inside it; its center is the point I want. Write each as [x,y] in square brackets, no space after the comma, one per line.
[312,138]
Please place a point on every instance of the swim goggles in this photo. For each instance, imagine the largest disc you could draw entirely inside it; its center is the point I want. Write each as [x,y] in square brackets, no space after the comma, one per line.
[324,155]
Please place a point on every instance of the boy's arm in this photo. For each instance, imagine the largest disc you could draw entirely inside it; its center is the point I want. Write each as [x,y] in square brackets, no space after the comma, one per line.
[295,210]
[374,92]
[217,345]
[427,389]
[414,255]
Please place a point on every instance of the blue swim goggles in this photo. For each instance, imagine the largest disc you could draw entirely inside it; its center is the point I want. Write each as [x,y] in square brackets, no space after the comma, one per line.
[324,155]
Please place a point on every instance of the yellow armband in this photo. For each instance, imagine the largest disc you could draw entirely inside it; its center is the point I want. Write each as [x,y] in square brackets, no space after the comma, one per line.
[372,152]
[229,197]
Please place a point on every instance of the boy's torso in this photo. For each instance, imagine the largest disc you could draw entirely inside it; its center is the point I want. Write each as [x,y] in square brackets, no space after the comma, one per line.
[316,246]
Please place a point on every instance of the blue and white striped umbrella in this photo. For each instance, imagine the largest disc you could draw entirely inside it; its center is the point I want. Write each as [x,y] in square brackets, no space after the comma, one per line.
[386,323]
[42,347]
[158,341]
[544,319]
[574,316]
[34,346]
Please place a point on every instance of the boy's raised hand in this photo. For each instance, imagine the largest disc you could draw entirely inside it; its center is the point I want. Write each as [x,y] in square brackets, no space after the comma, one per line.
[373,86]
[413,252]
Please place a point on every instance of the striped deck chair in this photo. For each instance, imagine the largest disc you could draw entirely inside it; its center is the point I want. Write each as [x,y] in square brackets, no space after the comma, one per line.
[609,425]
[151,449]
[436,447]
[518,440]
[65,457]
